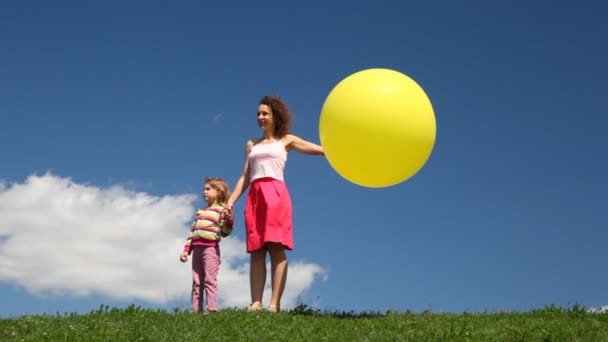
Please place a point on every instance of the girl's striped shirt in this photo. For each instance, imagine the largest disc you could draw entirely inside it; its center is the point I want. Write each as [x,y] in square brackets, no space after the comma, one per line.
[208,228]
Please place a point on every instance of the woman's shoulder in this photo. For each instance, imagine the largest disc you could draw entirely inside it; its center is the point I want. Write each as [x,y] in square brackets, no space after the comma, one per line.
[249,144]
[289,139]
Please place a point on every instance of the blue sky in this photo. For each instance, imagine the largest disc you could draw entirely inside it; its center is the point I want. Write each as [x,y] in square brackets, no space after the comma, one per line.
[113,113]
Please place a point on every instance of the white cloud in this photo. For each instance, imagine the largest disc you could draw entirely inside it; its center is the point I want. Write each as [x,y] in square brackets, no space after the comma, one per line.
[61,237]
[217,118]
[602,309]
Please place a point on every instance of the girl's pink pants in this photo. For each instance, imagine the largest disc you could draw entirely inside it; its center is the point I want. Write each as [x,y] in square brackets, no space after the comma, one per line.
[205,267]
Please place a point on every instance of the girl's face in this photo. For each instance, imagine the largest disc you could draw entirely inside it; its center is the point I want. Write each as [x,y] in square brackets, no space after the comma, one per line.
[210,194]
[265,119]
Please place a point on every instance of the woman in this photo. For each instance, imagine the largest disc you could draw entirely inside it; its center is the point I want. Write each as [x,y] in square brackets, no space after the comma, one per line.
[268,219]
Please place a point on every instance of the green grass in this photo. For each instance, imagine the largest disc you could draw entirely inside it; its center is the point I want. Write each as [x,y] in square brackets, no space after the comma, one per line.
[305,324]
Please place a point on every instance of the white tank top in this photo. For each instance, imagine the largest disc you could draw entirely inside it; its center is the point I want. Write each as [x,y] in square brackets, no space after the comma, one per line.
[267,160]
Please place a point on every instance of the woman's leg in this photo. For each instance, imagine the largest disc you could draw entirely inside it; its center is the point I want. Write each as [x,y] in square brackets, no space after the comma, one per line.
[257,276]
[278,262]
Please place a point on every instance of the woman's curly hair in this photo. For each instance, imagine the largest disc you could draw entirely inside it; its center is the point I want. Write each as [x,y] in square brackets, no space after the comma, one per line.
[280,113]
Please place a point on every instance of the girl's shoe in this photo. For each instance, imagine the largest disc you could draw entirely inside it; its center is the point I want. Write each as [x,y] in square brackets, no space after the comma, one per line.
[274,308]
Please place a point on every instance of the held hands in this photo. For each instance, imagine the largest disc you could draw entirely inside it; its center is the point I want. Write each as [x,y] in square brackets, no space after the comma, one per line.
[184,256]
[228,215]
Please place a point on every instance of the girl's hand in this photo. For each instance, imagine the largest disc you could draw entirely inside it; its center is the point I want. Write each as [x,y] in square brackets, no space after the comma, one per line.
[228,214]
[184,256]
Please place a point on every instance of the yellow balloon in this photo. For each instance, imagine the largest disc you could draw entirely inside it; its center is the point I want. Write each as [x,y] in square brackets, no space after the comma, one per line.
[377,128]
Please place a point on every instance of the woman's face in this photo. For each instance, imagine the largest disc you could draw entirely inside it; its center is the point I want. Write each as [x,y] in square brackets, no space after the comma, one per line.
[265,120]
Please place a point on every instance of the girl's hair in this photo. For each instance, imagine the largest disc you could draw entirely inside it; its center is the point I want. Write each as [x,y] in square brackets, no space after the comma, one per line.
[223,191]
[280,114]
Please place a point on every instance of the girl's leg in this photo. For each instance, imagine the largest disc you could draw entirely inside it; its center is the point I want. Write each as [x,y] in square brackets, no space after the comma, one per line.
[211,266]
[197,275]
[278,262]
[257,276]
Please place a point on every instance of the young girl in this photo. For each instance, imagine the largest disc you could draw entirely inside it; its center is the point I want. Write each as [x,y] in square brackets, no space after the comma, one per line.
[209,226]
[268,212]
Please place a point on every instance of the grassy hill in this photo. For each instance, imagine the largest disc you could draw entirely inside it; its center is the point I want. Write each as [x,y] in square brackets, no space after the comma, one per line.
[305,324]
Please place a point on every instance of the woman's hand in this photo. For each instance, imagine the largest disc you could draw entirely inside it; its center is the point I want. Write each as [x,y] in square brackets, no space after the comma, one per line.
[228,216]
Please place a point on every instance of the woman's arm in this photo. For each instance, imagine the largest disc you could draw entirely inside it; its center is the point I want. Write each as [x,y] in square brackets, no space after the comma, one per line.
[303,146]
[243,183]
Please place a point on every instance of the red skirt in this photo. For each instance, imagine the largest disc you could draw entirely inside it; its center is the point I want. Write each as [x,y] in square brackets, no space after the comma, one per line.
[268,214]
